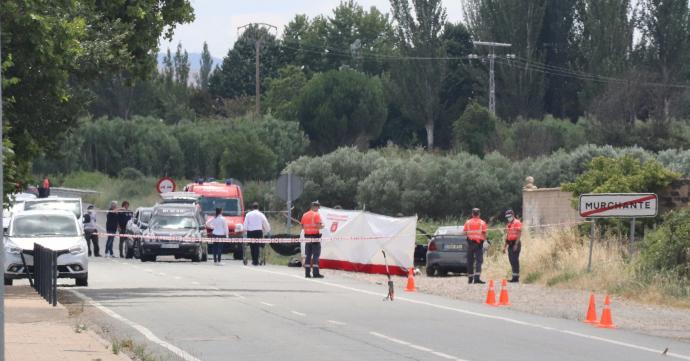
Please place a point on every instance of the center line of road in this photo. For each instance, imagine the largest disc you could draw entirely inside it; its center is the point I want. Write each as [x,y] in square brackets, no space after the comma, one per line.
[337,322]
[299,313]
[482,315]
[416,347]
[267,304]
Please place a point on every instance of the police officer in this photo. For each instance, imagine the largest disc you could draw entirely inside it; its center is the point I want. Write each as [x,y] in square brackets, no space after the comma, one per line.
[475,230]
[513,244]
[312,225]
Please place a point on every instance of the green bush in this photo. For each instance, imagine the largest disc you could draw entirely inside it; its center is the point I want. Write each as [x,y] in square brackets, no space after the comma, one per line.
[84,180]
[130,173]
[667,249]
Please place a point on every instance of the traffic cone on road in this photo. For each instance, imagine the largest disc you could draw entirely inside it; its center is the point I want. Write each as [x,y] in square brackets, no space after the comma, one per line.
[503,297]
[410,282]
[491,295]
[591,311]
[606,321]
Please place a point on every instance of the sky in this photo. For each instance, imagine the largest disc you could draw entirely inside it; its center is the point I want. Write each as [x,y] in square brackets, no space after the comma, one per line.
[217,20]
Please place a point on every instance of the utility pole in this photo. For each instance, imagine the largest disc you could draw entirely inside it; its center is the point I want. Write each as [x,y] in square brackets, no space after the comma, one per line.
[258,38]
[492,57]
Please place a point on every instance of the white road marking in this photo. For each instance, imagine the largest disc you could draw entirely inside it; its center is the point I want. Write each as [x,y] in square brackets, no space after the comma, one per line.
[267,304]
[161,274]
[148,270]
[177,277]
[299,313]
[143,330]
[416,347]
[195,283]
[337,322]
[484,315]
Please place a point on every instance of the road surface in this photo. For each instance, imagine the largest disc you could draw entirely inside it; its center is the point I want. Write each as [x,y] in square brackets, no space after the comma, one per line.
[198,311]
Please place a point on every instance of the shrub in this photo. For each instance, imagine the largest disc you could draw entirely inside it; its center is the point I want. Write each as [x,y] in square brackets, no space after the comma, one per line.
[130,173]
[473,131]
[667,248]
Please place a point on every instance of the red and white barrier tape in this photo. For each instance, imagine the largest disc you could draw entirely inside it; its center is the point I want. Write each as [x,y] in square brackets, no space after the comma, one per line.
[238,239]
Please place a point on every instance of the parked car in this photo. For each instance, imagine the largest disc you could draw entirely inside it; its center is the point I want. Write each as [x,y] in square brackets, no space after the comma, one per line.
[135,227]
[73,205]
[16,205]
[226,195]
[57,229]
[174,221]
[446,252]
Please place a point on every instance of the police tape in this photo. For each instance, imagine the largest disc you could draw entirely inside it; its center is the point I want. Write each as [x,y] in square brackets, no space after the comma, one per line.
[503,229]
[187,239]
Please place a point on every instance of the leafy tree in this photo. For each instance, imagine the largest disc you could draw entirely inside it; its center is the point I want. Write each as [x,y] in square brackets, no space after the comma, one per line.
[284,90]
[474,130]
[621,175]
[304,43]
[342,107]
[419,80]
[205,67]
[181,62]
[236,75]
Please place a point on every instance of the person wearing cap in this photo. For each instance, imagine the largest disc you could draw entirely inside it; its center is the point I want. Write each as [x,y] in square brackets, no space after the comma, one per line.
[91,231]
[513,244]
[111,223]
[256,225]
[312,225]
[475,230]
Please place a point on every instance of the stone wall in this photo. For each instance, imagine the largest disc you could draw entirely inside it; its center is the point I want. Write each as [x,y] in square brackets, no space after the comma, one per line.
[676,196]
[548,206]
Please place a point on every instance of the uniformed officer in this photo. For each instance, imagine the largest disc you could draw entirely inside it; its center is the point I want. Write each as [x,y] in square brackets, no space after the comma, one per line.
[513,244]
[475,230]
[312,225]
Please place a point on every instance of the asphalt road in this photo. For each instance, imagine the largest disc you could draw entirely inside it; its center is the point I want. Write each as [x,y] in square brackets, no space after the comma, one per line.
[235,312]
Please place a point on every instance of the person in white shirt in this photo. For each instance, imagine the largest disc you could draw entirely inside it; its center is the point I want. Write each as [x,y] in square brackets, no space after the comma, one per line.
[256,225]
[220,230]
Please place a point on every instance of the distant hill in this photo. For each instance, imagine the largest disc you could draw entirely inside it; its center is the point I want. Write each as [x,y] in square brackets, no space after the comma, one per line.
[194,59]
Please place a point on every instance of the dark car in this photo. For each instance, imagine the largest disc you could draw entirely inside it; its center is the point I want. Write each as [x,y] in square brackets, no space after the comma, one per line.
[135,227]
[173,228]
[447,252]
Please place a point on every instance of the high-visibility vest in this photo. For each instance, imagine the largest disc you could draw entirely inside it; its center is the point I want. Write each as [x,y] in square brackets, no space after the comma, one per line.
[475,229]
[310,223]
[513,230]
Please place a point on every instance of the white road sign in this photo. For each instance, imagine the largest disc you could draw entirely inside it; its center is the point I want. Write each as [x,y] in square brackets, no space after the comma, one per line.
[621,205]
[165,185]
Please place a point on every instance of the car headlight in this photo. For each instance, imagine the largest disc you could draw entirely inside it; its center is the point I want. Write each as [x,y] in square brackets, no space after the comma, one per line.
[12,248]
[76,250]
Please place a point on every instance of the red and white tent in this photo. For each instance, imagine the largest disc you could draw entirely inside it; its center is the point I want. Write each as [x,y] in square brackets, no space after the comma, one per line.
[360,237]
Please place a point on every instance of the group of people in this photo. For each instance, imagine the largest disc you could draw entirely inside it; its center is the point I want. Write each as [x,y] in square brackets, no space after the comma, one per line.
[256,225]
[115,222]
[476,231]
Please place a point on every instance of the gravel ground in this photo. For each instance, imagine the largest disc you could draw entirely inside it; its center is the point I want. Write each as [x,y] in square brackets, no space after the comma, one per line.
[661,321]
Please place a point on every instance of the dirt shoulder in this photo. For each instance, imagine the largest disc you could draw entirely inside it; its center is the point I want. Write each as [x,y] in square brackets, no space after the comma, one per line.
[661,321]
[36,331]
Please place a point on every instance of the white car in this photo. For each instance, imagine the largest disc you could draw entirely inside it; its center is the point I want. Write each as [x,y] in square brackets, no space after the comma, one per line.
[55,229]
[73,205]
[16,205]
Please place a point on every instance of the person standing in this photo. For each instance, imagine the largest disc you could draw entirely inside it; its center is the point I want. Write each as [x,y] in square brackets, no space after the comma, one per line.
[46,186]
[91,231]
[475,230]
[123,217]
[111,223]
[312,225]
[513,244]
[256,225]
[219,227]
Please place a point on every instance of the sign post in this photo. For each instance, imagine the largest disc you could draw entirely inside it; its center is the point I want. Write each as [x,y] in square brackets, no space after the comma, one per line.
[166,185]
[617,205]
[289,187]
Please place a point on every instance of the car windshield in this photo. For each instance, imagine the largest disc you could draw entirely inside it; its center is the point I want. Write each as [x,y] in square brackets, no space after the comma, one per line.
[173,222]
[44,225]
[231,206]
[145,216]
[72,206]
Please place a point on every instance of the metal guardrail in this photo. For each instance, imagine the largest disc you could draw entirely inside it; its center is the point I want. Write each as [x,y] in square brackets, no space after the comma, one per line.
[44,274]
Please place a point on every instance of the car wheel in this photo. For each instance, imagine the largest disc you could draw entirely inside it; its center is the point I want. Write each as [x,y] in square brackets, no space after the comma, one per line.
[431,270]
[8,281]
[441,272]
[204,256]
[82,282]
[198,255]
[137,250]
[129,252]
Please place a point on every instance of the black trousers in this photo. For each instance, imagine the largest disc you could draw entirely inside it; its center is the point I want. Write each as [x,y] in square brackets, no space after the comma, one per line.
[312,251]
[514,257]
[475,258]
[255,247]
[92,237]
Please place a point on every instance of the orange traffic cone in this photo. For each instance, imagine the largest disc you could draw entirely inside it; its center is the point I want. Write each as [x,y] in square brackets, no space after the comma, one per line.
[491,295]
[591,311]
[410,282]
[606,321]
[503,297]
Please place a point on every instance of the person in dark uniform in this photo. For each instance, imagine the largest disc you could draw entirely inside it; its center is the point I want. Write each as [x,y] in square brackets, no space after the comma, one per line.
[475,230]
[123,217]
[111,224]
